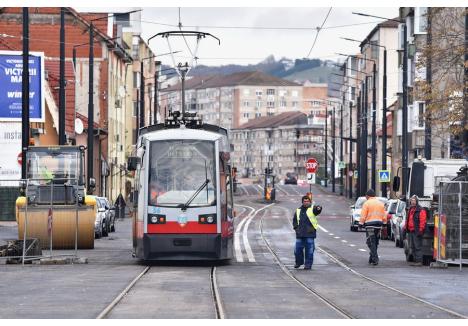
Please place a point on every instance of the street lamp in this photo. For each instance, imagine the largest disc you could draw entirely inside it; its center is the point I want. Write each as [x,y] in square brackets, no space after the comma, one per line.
[404,136]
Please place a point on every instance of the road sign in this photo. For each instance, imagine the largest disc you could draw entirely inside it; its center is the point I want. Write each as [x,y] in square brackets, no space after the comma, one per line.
[384,176]
[310,178]
[341,165]
[312,165]
[355,174]
[19,158]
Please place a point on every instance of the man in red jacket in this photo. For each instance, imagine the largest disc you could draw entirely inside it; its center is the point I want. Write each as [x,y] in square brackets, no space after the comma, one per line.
[415,225]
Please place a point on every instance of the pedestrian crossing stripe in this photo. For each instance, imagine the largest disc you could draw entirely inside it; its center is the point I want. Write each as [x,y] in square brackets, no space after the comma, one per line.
[384,176]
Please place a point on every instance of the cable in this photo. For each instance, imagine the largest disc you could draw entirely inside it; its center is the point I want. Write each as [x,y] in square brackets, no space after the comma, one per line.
[318,32]
[183,36]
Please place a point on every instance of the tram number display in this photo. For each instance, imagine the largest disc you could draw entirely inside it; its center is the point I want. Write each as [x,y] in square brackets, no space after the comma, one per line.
[178,151]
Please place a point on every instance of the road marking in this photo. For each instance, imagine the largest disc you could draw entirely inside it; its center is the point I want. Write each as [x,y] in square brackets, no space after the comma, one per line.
[237,246]
[330,234]
[352,245]
[336,237]
[323,229]
[363,250]
[344,241]
[245,238]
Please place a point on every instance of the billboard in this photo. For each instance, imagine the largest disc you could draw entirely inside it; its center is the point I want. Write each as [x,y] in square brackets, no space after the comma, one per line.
[11,70]
[10,143]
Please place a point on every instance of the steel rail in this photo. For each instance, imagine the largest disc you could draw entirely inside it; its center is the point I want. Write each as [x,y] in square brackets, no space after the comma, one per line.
[220,314]
[283,267]
[116,301]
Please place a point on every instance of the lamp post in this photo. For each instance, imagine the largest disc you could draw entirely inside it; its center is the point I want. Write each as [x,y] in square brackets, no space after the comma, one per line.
[384,109]
[62,138]
[25,93]
[326,148]
[333,150]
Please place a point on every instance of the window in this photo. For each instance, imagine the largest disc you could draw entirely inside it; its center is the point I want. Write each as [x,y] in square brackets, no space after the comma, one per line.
[294,104]
[136,79]
[282,92]
[246,103]
[420,20]
[270,104]
[246,91]
[270,91]
[282,104]
[353,66]
[258,104]
[353,93]
[294,93]
[135,108]
[315,103]
[259,92]
[258,115]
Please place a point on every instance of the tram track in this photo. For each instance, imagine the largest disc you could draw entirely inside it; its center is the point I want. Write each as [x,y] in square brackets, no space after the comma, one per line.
[342,312]
[336,260]
[218,304]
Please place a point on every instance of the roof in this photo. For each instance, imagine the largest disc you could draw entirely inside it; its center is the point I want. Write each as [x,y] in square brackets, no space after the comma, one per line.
[283,119]
[386,24]
[249,78]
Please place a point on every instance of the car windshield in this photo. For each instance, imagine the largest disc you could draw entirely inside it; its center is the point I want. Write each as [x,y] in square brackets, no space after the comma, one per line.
[359,202]
[401,207]
[178,168]
[392,208]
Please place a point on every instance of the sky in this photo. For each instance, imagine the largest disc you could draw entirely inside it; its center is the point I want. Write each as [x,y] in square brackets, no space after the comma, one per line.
[245,35]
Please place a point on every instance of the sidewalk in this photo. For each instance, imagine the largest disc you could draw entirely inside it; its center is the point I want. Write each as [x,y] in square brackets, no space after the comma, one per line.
[8,224]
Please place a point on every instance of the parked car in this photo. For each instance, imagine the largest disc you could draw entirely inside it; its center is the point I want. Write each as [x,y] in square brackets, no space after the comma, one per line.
[355,214]
[390,210]
[110,209]
[397,222]
[100,222]
[106,210]
[291,179]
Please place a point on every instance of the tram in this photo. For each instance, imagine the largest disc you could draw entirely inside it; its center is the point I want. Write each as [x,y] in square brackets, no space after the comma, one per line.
[183,191]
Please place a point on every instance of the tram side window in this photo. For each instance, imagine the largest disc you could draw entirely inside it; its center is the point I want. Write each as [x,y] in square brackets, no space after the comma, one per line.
[229,195]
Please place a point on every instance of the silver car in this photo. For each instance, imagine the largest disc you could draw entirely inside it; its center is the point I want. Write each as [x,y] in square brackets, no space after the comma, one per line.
[397,223]
[355,214]
[100,222]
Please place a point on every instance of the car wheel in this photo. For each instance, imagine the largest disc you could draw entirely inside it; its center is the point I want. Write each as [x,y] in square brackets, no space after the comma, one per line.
[113,227]
[401,244]
[104,230]
[427,260]
[397,243]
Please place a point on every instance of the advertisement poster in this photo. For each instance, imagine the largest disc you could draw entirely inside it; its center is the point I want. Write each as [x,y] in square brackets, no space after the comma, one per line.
[11,71]
[10,143]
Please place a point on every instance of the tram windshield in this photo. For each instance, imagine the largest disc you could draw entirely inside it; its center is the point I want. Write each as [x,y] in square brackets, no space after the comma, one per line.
[178,168]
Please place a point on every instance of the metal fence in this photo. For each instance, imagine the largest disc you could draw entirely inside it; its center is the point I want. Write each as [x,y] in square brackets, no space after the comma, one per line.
[47,215]
[451,241]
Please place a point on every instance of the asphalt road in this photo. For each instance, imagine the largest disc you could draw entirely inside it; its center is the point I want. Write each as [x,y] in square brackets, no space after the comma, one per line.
[252,285]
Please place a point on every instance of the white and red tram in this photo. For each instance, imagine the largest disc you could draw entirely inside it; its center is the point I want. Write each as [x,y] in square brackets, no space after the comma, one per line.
[183,192]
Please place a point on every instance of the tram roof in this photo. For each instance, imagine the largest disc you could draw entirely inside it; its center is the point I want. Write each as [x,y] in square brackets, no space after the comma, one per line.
[204,132]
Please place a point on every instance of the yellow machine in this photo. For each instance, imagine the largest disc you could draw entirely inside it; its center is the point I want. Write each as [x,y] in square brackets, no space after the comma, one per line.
[55,204]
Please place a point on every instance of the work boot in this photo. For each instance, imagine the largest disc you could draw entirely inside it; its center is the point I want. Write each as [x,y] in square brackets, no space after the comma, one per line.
[307,267]
[297,266]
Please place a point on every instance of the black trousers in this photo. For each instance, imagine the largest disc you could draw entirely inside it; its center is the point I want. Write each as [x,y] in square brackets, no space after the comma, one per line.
[415,244]
[373,234]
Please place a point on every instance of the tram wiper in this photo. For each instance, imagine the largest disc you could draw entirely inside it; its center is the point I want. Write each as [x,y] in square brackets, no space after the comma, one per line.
[184,206]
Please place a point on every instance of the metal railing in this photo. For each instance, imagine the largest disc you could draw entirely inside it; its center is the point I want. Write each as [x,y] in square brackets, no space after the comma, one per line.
[452,223]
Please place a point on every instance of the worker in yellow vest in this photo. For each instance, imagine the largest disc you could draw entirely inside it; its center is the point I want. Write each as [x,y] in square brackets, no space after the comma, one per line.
[305,224]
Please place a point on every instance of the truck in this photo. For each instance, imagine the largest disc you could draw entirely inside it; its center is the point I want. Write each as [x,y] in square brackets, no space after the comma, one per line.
[54,201]
[423,181]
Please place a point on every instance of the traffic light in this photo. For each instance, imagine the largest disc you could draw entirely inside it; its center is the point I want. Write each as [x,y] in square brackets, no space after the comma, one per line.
[298,134]
[266,170]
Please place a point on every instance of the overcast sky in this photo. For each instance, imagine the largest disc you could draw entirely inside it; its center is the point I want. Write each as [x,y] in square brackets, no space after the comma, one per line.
[248,45]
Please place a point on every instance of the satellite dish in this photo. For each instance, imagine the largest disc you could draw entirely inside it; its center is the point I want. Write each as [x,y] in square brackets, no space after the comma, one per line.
[79,127]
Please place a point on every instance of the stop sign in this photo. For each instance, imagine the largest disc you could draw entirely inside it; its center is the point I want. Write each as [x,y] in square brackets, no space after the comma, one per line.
[19,158]
[311,165]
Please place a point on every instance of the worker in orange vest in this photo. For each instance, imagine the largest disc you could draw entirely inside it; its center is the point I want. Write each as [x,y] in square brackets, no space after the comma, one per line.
[373,217]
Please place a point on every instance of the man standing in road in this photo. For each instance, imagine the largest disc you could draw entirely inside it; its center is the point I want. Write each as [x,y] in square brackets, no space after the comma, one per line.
[415,225]
[373,217]
[305,224]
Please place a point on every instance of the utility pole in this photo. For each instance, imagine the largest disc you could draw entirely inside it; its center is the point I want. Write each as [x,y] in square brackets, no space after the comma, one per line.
[427,114]
[465,91]
[384,121]
[25,93]
[350,163]
[364,135]
[341,147]
[156,102]
[374,128]
[359,143]
[326,148]
[404,136]
[142,95]
[333,149]
[62,138]
[90,155]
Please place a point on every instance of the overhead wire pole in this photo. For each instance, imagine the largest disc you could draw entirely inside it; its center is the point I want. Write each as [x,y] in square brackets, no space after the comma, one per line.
[333,149]
[341,147]
[374,129]
[427,122]
[62,138]
[350,164]
[25,93]
[142,96]
[326,148]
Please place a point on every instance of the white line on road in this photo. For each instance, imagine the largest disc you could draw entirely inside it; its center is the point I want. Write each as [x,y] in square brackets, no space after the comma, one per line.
[330,234]
[352,245]
[344,241]
[336,237]
[237,246]
[363,250]
[323,229]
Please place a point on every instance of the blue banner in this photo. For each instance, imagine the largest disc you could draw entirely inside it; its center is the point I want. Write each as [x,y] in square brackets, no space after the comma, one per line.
[11,71]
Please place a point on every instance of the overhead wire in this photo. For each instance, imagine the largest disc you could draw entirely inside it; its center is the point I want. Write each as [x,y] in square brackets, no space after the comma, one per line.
[318,32]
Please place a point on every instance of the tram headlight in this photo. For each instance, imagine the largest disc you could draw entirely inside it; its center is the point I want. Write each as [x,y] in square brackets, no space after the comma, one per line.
[156,219]
[207,219]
